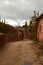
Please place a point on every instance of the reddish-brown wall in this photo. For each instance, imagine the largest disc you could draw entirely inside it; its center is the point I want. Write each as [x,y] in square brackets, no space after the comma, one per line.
[3,39]
[40,31]
[16,35]
[33,31]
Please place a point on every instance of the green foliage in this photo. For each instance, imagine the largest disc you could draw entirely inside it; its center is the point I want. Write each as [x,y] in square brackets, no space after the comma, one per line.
[35,40]
[5,28]
[42,46]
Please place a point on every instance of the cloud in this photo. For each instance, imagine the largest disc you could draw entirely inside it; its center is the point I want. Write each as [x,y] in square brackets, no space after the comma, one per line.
[9,21]
[19,9]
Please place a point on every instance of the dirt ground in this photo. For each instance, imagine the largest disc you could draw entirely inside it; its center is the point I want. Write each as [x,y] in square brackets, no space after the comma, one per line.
[18,53]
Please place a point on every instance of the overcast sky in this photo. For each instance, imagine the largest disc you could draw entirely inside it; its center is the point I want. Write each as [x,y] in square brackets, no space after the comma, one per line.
[19,9]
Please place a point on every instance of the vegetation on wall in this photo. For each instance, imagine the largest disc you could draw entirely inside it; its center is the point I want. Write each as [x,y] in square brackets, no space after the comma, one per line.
[5,28]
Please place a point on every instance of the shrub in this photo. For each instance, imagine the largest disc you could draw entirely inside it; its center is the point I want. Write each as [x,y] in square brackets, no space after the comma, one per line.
[42,48]
[35,40]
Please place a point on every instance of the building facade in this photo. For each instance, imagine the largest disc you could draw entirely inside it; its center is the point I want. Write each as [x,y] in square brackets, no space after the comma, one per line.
[40,28]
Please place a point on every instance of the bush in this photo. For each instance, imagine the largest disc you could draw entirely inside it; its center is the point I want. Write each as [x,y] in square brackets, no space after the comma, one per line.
[35,40]
[42,46]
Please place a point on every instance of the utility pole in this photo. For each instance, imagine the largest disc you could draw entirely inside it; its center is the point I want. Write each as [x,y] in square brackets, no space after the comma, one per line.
[4,21]
[36,13]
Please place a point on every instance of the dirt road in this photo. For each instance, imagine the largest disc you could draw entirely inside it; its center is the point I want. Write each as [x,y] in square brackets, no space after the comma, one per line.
[17,53]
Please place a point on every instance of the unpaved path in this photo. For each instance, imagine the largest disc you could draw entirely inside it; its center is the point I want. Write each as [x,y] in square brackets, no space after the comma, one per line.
[16,53]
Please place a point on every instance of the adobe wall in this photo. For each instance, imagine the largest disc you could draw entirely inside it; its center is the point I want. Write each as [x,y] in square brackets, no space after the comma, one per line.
[17,35]
[40,31]
[3,39]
